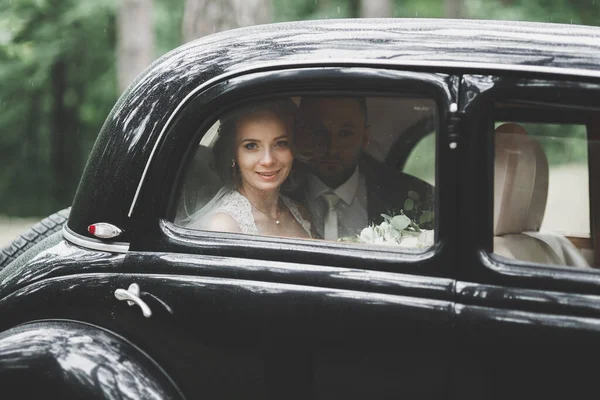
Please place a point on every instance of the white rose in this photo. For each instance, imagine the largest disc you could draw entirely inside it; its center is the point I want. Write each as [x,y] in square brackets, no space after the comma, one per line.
[379,240]
[425,239]
[392,235]
[409,239]
[368,234]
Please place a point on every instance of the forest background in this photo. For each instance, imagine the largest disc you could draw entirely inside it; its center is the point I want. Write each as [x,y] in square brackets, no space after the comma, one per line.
[64,63]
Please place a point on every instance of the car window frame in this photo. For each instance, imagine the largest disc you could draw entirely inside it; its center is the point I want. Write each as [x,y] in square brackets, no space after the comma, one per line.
[152,216]
[480,263]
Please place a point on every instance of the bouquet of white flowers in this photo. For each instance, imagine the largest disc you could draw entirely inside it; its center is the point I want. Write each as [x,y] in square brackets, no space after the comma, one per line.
[398,230]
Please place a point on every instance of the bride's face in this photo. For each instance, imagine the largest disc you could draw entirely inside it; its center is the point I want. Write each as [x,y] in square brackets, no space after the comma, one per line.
[263,152]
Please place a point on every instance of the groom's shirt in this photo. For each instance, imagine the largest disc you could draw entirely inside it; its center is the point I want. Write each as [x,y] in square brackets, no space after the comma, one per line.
[351,209]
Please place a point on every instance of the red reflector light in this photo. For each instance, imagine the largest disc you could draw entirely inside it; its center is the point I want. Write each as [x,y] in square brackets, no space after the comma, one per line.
[104,230]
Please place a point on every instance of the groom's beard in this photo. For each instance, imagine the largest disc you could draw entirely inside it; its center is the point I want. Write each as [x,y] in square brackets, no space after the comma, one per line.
[335,169]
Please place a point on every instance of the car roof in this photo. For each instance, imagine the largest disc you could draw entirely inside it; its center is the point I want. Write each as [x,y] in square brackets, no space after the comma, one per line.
[131,132]
[440,42]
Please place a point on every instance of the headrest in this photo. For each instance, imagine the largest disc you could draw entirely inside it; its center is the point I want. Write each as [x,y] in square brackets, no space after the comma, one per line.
[520,181]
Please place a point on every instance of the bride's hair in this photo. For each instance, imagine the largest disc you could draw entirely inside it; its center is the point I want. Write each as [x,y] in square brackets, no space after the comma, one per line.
[224,149]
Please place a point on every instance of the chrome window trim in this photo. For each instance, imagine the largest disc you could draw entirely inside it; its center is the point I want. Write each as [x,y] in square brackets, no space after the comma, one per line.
[353,63]
[92,244]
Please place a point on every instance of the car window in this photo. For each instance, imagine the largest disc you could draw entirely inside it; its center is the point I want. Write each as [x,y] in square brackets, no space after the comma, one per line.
[542,189]
[316,167]
[421,160]
[568,204]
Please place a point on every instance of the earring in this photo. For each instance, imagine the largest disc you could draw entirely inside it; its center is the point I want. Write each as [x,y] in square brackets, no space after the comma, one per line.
[232,163]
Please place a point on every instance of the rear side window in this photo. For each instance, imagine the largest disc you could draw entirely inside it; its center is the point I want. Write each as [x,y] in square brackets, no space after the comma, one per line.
[344,168]
[543,202]
[568,204]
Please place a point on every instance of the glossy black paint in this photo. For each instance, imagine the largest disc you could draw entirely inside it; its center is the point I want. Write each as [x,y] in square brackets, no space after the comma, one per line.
[131,130]
[72,360]
[567,306]
[291,273]
[63,259]
[522,330]
[476,106]
[278,340]
[280,330]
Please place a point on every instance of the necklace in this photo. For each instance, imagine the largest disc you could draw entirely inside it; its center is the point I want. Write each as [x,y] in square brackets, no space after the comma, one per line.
[276,219]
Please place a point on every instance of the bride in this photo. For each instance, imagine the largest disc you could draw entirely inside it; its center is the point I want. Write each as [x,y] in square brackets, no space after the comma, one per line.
[253,157]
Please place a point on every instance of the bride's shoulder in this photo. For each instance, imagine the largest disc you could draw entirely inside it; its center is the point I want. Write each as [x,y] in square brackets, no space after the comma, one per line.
[223,222]
[234,198]
[234,208]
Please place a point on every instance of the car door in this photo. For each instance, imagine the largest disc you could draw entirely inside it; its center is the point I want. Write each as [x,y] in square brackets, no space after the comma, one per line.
[528,328]
[237,315]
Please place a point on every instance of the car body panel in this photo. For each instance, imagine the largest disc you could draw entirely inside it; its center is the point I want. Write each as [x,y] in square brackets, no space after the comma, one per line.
[127,139]
[61,259]
[281,340]
[77,360]
[522,329]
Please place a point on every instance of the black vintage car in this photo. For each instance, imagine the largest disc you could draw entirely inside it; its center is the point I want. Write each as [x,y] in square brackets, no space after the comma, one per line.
[496,294]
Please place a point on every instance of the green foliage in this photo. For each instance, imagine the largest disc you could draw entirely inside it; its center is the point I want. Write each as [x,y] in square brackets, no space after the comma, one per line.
[421,161]
[585,12]
[58,81]
[563,144]
[559,11]
[168,17]
[418,8]
[293,10]
[58,84]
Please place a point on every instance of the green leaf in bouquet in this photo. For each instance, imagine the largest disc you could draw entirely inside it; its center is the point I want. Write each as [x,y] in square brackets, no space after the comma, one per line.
[415,226]
[400,222]
[386,218]
[409,204]
[349,239]
[413,195]
[426,216]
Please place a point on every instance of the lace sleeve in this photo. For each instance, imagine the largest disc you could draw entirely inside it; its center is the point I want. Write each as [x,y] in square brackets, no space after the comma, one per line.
[238,207]
[289,203]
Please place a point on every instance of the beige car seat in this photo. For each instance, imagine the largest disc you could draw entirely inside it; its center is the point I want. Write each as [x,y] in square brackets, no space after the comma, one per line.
[520,195]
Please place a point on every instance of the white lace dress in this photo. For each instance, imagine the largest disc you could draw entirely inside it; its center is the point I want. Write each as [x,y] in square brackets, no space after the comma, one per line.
[239,208]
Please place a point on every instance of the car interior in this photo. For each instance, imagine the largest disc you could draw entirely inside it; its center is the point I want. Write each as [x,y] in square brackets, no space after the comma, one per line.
[520,198]
[401,135]
[544,173]
[544,195]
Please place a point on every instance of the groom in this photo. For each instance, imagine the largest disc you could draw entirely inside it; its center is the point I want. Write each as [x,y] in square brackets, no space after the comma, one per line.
[347,189]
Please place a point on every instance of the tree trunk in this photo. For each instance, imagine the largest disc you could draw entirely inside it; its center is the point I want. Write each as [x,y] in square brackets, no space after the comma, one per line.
[454,9]
[354,8]
[135,40]
[203,17]
[64,143]
[376,8]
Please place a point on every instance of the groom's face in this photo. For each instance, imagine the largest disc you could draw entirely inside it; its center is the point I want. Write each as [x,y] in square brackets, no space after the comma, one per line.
[332,136]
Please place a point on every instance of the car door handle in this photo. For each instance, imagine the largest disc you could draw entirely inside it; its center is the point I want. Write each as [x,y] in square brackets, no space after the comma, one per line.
[132,296]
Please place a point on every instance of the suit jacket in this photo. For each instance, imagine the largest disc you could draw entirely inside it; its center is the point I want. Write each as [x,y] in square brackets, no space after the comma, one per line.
[388,189]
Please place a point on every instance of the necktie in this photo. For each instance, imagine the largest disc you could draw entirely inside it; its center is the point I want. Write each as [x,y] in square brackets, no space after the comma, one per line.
[331,222]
